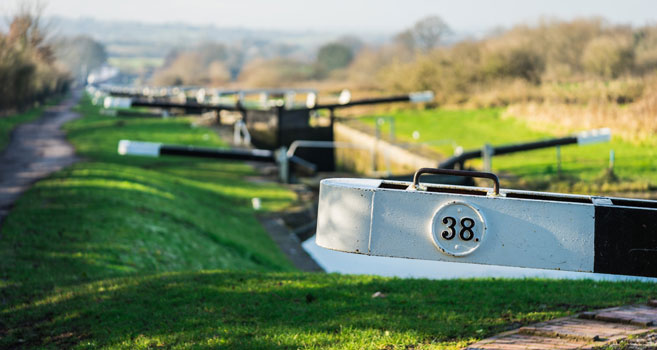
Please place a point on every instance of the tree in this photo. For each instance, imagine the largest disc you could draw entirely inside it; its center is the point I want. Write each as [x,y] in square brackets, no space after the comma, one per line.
[274,73]
[333,56]
[428,32]
[210,52]
[406,40]
[218,73]
[187,68]
[27,69]
[608,56]
[425,35]
[80,55]
[352,42]
[207,63]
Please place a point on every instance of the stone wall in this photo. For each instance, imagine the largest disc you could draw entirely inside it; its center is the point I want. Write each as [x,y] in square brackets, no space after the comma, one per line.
[387,156]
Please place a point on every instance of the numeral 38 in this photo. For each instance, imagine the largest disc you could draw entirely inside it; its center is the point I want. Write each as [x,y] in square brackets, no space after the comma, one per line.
[465,233]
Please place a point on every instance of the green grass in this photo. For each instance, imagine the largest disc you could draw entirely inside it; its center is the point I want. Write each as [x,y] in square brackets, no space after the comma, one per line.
[583,168]
[256,310]
[116,215]
[145,253]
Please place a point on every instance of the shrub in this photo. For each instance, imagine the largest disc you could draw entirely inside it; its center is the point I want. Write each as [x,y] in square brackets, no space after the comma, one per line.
[28,72]
[608,56]
[275,72]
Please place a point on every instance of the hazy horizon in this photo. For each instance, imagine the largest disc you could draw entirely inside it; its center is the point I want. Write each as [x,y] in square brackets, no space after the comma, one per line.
[384,16]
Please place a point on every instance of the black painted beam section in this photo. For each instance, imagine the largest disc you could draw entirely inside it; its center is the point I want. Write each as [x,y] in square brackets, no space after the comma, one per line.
[626,239]
[366,101]
[298,165]
[186,106]
[217,153]
[435,179]
[507,149]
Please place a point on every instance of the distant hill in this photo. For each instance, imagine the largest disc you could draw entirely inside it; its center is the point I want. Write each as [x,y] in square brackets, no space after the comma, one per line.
[136,39]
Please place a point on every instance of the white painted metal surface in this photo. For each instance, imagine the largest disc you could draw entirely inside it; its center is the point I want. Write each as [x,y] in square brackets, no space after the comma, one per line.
[422,96]
[340,262]
[311,100]
[138,148]
[359,216]
[241,135]
[201,95]
[117,102]
[345,97]
[594,136]
[465,242]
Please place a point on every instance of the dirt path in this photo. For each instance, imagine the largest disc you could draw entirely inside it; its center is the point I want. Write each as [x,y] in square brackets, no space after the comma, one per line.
[35,150]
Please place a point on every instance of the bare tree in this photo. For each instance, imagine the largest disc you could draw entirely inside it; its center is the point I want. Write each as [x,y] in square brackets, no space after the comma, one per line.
[27,65]
[27,28]
[80,55]
[429,31]
[406,40]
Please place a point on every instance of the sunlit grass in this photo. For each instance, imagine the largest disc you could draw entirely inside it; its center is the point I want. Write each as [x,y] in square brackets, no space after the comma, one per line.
[583,168]
[166,253]
[114,216]
[275,310]
[103,183]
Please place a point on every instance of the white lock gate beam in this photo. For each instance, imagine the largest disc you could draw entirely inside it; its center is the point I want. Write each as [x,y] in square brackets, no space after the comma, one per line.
[476,225]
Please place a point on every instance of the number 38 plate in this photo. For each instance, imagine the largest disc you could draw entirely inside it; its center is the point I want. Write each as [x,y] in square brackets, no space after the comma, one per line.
[458,228]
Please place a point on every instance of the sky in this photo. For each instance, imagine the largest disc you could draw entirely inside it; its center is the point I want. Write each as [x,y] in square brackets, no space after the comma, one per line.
[382,16]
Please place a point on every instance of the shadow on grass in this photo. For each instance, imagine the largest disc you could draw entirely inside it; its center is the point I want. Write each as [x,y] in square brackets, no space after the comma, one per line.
[96,220]
[289,310]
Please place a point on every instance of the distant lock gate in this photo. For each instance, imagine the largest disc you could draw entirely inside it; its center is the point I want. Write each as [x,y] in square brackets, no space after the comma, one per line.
[272,126]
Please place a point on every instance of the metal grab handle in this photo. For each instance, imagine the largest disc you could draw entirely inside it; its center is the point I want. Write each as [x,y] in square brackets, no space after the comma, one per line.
[496,181]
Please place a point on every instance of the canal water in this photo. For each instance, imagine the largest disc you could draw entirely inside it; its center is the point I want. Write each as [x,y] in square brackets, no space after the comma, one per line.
[346,263]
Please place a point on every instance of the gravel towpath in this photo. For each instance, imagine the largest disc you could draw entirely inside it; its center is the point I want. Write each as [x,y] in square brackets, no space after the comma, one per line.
[36,150]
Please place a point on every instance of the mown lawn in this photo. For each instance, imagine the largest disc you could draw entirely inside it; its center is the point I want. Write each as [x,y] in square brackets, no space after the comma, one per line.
[221,309]
[144,253]
[583,168]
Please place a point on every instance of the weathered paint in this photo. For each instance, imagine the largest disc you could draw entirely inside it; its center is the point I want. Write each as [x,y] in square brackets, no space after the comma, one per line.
[345,215]
[548,234]
[138,148]
[117,102]
[594,136]
[421,96]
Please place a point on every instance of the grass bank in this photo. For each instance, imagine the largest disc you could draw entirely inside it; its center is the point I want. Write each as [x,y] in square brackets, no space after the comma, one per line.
[583,168]
[142,253]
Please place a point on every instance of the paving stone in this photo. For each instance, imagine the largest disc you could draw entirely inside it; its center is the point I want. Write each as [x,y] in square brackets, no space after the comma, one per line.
[585,331]
[517,340]
[640,315]
[582,329]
